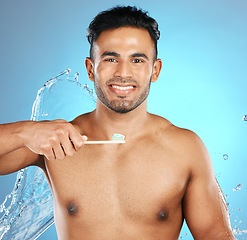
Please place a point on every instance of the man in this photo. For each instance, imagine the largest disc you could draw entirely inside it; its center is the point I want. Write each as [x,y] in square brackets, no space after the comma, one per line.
[142,189]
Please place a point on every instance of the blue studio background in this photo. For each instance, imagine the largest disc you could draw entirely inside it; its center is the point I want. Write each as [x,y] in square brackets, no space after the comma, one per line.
[202,86]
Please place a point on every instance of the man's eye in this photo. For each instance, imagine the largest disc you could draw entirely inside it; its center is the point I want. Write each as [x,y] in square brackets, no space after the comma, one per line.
[137,60]
[110,60]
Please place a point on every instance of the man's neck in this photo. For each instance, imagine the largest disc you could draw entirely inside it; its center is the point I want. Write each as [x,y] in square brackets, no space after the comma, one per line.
[106,122]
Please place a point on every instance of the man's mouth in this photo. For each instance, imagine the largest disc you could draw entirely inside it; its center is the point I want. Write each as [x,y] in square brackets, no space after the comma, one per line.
[122,89]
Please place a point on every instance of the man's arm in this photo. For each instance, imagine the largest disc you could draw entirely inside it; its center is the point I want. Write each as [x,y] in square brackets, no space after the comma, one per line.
[25,143]
[204,206]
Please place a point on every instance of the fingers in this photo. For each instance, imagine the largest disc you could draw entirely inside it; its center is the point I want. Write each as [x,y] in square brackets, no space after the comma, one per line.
[67,146]
[58,151]
[77,139]
[55,139]
[67,143]
[50,154]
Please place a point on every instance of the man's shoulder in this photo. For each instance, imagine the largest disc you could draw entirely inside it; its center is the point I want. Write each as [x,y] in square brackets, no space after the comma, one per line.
[185,144]
[169,129]
[81,122]
[82,117]
[181,138]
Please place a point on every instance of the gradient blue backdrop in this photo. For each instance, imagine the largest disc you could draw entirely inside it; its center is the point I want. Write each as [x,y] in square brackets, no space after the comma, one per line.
[202,86]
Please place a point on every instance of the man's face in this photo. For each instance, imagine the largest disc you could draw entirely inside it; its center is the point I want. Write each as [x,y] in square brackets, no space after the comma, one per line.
[123,67]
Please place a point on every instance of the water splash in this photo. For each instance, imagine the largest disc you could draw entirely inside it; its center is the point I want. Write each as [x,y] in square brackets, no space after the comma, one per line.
[30,211]
[237,215]
[237,231]
[238,187]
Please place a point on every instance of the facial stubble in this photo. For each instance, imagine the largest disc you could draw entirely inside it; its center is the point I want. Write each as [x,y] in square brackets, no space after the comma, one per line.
[122,105]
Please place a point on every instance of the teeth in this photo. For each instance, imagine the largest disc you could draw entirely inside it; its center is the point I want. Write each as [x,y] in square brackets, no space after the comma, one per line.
[122,88]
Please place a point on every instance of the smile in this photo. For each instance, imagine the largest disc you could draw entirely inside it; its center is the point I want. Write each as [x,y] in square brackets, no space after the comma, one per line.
[122,89]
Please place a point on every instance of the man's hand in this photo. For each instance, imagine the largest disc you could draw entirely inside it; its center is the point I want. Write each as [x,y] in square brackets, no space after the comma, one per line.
[53,139]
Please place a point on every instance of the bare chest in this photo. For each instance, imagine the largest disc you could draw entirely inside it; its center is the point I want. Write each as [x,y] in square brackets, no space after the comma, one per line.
[131,183]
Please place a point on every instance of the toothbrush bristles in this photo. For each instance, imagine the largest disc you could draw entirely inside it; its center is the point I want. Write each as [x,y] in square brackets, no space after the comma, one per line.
[117,136]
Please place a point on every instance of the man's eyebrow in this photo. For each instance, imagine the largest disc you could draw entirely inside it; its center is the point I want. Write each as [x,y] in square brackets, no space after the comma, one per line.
[113,54]
[140,55]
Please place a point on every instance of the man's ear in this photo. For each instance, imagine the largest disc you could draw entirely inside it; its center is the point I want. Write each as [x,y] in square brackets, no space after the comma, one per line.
[90,68]
[156,70]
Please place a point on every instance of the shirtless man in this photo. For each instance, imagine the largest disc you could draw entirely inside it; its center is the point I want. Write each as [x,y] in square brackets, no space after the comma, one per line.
[143,189]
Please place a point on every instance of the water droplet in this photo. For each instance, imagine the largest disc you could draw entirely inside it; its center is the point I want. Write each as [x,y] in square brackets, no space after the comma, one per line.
[67,71]
[238,187]
[76,76]
[225,156]
[237,231]
[244,118]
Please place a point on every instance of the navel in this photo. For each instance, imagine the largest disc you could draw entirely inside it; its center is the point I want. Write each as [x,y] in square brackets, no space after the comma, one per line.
[162,215]
[72,208]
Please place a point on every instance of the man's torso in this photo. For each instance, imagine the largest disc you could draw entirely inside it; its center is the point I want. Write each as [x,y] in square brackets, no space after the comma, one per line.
[122,191]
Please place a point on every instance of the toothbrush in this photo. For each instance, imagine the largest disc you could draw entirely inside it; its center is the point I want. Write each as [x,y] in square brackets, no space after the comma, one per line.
[116,138]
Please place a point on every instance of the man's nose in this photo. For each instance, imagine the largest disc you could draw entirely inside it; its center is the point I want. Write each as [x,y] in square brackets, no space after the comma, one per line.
[123,70]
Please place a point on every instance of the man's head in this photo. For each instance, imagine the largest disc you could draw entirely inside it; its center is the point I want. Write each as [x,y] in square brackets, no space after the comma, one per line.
[123,59]
[122,17]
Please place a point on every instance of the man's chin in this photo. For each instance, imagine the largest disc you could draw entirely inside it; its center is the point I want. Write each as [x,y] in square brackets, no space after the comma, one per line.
[120,109]
[120,106]
[123,107]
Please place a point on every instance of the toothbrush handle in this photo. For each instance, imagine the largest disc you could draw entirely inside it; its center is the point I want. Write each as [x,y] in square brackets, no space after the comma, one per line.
[104,142]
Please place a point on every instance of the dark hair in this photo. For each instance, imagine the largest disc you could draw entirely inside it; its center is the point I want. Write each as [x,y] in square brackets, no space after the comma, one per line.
[121,16]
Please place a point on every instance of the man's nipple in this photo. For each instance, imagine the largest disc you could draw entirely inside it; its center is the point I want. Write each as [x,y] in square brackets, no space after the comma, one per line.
[162,215]
[72,208]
